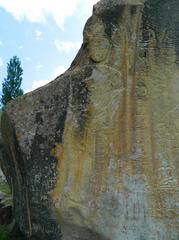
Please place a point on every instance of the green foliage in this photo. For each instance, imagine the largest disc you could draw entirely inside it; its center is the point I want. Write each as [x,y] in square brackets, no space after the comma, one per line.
[11,86]
[4,187]
[4,233]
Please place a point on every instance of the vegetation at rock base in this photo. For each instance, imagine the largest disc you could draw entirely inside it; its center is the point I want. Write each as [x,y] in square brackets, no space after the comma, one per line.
[5,189]
[11,86]
[4,233]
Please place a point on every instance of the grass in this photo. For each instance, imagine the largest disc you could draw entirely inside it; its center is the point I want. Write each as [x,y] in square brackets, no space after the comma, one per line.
[4,229]
[4,233]
[5,189]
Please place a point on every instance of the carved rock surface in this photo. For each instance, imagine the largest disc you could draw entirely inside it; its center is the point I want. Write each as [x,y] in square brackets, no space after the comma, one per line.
[94,155]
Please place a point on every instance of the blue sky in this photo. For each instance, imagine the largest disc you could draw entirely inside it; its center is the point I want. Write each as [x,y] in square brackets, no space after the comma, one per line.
[44,34]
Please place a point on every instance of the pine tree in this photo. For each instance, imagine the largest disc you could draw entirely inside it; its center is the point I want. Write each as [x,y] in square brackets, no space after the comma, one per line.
[11,87]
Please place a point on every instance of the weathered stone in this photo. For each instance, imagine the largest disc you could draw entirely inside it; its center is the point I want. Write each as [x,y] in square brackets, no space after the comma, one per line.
[94,154]
[15,232]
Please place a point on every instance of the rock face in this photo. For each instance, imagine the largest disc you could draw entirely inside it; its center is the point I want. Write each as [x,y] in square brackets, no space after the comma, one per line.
[94,154]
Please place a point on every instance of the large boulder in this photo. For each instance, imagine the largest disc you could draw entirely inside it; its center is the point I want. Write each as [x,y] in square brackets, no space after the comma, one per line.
[94,154]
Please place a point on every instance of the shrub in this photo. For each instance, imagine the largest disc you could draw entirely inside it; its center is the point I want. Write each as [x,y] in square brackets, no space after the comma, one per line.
[4,232]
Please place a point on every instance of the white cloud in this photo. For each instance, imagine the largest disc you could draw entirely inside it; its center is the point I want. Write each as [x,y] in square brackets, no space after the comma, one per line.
[38,11]
[39,67]
[1,43]
[27,58]
[66,47]
[1,62]
[86,8]
[39,83]
[59,70]
[36,84]
[38,35]
[20,47]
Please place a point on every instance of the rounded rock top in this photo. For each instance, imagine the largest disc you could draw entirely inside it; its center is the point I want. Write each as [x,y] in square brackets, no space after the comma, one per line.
[108,4]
